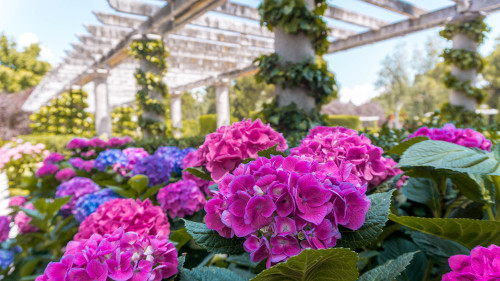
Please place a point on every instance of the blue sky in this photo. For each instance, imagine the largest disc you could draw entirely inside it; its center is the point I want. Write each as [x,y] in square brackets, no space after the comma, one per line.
[54,23]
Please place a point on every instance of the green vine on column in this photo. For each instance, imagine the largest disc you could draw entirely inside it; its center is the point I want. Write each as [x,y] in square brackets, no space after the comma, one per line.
[465,59]
[155,53]
[294,17]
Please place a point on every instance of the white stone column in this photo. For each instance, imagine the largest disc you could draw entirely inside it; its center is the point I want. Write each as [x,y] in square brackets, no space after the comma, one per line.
[176,113]
[222,103]
[103,125]
[294,48]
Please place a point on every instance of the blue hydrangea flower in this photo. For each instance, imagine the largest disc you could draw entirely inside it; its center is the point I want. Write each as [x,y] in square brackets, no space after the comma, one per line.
[89,203]
[6,258]
[175,155]
[107,158]
[156,168]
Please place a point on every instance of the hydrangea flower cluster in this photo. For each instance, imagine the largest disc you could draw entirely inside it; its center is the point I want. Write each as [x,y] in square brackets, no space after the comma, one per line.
[13,152]
[53,158]
[76,187]
[283,205]
[117,256]
[81,143]
[390,171]
[22,220]
[156,168]
[174,154]
[47,169]
[190,161]
[107,158]
[339,144]
[132,215]
[481,264]
[6,258]
[88,203]
[65,174]
[4,228]
[81,164]
[449,133]
[129,158]
[181,198]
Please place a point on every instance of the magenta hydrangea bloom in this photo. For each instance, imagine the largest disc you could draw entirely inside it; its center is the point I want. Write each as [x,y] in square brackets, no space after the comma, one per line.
[339,144]
[17,201]
[181,198]
[76,187]
[117,256]
[449,133]
[128,159]
[190,161]
[225,149]
[77,143]
[53,158]
[132,215]
[22,220]
[481,264]
[47,169]
[81,164]
[4,228]
[65,174]
[283,205]
[390,171]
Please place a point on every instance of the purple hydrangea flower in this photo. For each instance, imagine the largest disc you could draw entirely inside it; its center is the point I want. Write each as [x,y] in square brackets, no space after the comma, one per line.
[481,264]
[88,203]
[53,158]
[174,154]
[129,158]
[107,158]
[4,228]
[81,164]
[6,259]
[76,187]
[156,168]
[181,198]
[65,174]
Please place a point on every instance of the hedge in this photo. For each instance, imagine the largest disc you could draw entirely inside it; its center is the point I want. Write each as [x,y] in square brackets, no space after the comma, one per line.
[348,121]
[208,123]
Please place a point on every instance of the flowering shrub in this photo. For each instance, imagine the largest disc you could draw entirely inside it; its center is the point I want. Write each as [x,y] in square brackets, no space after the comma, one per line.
[225,149]
[129,158]
[47,169]
[132,215]
[465,137]
[65,174]
[481,264]
[175,155]
[88,203]
[81,143]
[117,256]
[181,198]
[76,187]
[275,202]
[107,158]
[190,161]
[339,144]
[81,164]
[4,228]
[156,168]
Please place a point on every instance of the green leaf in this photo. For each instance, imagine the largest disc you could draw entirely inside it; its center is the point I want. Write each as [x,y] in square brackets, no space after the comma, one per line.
[444,155]
[315,265]
[122,192]
[54,207]
[396,247]
[181,237]
[207,273]
[211,241]
[374,223]
[467,232]
[496,151]
[438,247]
[200,172]
[270,151]
[151,191]
[402,147]
[421,190]
[389,270]
[139,183]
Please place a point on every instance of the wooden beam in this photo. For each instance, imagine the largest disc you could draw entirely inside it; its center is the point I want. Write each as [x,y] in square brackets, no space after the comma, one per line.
[232,26]
[354,18]
[92,40]
[134,7]
[398,6]
[106,31]
[117,20]
[239,11]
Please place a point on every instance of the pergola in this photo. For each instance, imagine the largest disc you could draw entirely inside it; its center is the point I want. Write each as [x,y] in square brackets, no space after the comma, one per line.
[210,43]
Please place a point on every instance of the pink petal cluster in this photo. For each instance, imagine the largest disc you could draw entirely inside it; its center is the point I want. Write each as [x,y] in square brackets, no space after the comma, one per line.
[79,163]
[136,216]
[390,171]
[117,256]
[81,143]
[53,158]
[284,205]
[4,228]
[190,161]
[22,220]
[225,149]
[482,264]
[65,174]
[76,188]
[181,198]
[339,144]
[449,133]
[129,158]
[15,151]
[17,201]
[47,169]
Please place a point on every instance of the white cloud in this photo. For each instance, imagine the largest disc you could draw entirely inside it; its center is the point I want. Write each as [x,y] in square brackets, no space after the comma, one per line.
[46,54]
[358,94]
[27,39]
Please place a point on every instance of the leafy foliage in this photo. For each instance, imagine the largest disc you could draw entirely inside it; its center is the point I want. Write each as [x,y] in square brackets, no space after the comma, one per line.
[211,273]
[474,29]
[211,241]
[123,125]
[396,247]
[389,270]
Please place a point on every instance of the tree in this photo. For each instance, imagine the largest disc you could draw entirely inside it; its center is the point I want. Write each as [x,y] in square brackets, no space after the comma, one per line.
[247,95]
[491,73]
[20,70]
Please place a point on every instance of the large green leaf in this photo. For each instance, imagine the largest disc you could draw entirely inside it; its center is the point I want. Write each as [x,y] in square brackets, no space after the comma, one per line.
[181,237]
[139,183]
[200,172]
[211,241]
[374,223]
[444,155]
[421,190]
[389,270]
[402,147]
[211,273]
[315,265]
[467,232]
[438,247]
[270,152]
[396,247]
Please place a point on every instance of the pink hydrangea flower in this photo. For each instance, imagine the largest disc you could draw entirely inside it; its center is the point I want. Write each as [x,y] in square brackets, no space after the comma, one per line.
[4,228]
[65,174]
[47,169]
[390,171]
[283,205]
[225,149]
[181,198]
[15,151]
[17,201]
[190,161]
[129,158]
[53,158]
[22,220]
[117,142]
[481,264]
[339,144]
[76,188]
[136,216]
[117,256]
[79,163]
[449,133]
